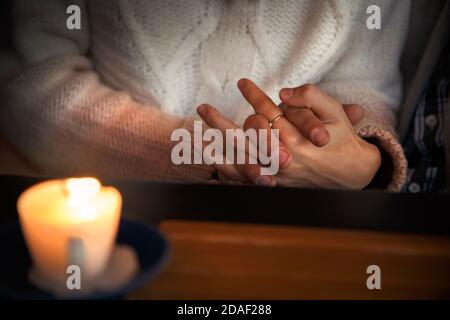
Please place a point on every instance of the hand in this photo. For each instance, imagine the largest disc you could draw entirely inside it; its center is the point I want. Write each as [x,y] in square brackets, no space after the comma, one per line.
[324,123]
[344,161]
[234,173]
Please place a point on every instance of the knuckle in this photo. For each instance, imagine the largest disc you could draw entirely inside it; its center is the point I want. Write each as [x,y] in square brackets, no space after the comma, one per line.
[311,123]
[308,91]
[291,140]
[262,106]
[250,121]
[260,121]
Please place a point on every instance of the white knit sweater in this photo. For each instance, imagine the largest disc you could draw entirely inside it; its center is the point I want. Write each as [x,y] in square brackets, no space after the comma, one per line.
[105,99]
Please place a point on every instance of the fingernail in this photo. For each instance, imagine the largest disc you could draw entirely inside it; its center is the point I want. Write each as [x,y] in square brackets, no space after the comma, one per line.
[201,110]
[286,93]
[284,156]
[319,136]
[264,181]
[240,82]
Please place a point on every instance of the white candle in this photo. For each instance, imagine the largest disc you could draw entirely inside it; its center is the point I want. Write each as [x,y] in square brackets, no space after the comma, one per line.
[67,222]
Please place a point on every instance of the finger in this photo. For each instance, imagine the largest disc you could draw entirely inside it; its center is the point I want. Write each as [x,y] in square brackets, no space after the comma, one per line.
[263,105]
[215,119]
[308,124]
[257,121]
[260,102]
[308,95]
[354,112]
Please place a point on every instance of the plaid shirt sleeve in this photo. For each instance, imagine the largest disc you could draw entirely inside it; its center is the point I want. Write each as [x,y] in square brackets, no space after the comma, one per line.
[424,144]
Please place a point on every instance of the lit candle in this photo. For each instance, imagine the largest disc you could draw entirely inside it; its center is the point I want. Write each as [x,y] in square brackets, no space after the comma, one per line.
[73,221]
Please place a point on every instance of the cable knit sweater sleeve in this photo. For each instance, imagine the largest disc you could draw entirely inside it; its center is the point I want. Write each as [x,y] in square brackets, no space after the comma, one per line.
[376,86]
[61,116]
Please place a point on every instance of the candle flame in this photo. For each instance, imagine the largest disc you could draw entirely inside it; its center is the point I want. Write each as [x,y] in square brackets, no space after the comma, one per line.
[81,190]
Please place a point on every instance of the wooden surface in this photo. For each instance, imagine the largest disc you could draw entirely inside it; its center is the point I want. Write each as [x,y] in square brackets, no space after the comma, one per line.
[241,261]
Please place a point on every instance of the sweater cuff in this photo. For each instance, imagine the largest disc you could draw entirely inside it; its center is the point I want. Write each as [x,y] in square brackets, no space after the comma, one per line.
[392,173]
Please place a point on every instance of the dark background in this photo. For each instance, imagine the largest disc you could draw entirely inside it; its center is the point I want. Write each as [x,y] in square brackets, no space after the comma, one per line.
[5,24]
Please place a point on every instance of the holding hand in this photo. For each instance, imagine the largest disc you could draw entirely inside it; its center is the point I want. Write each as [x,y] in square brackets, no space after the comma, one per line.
[319,146]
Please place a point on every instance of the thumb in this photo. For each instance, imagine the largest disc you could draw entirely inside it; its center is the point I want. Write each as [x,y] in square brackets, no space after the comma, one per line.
[354,112]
